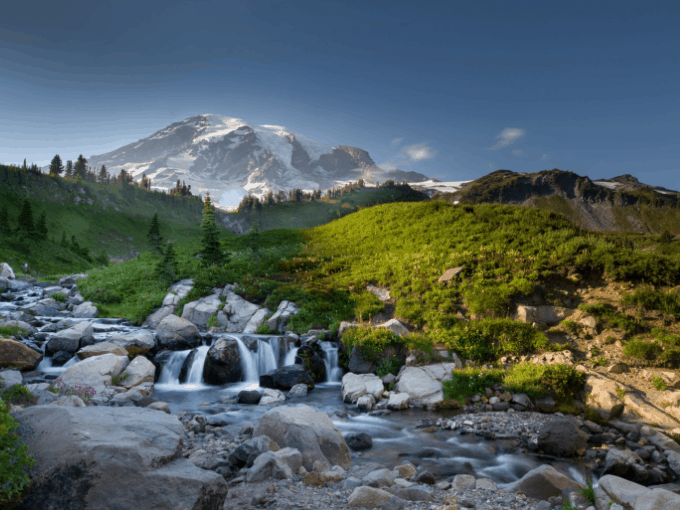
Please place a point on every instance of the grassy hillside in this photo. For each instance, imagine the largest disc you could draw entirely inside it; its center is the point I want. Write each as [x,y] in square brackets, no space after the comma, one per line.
[301,215]
[106,219]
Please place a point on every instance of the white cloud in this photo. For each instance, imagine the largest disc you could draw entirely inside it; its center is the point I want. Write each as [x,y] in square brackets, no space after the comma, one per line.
[390,164]
[417,152]
[545,156]
[397,140]
[490,165]
[517,152]
[507,137]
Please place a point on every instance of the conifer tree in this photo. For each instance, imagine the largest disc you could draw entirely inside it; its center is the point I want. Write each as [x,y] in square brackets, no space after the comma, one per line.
[56,166]
[211,251]
[154,234]
[4,221]
[166,269]
[41,226]
[25,223]
[80,168]
[69,169]
[103,174]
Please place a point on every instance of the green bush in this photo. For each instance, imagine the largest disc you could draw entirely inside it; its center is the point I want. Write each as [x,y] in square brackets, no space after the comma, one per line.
[15,331]
[371,342]
[640,349]
[561,381]
[388,366]
[59,297]
[14,460]
[212,321]
[17,395]
[610,318]
[671,357]
[658,383]
[650,299]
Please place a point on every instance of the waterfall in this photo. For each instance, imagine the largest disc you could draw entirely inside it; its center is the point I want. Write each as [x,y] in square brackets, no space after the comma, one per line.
[333,371]
[195,375]
[170,372]
[248,362]
[290,357]
[266,359]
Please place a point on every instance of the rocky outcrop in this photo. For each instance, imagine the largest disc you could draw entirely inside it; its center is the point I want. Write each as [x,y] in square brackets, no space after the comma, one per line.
[355,386]
[310,431]
[200,311]
[285,378]
[256,320]
[139,342]
[96,372]
[177,334]
[236,313]
[283,314]
[139,371]
[176,292]
[47,307]
[562,438]
[85,310]
[603,396]
[121,457]
[542,314]
[15,354]
[223,362]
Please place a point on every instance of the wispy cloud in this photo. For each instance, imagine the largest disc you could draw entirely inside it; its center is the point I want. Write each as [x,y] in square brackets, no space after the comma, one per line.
[397,140]
[517,152]
[545,156]
[490,165]
[417,152]
[507,137]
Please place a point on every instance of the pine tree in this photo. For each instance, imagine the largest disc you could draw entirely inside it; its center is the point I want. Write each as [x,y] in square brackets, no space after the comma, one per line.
[80,168]
[69,169]
[154,234]
[211,251]
[25,223]
[166,269]
[4,221]
[41,226]
[56,166]
[103,174]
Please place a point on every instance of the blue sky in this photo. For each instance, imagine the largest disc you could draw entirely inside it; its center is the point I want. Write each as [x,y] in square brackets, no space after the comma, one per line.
[449,89]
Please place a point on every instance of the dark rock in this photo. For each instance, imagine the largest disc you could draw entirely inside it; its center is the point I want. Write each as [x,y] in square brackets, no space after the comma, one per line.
[246,453]
[562,437]
[223,362]
[358,441]
[160,359]
[425,477]
[501,406]
[249,397]
[146,401]
[60,358]
[286,377]
[186,366]
[313,363]
[358,364]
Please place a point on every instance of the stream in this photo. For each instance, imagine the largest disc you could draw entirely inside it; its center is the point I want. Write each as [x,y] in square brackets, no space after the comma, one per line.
[395,436]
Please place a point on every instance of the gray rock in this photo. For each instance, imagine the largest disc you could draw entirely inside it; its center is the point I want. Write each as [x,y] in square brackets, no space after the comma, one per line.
[281,464]
[285,378]
[238,312]
[298,391]
[625,464]
[6,271]
[546,404]
[351,483]
[68,281]
[153,320]
[256,320]
[199,312]
[71,339]
[285,311]
[249,397]
[96,372]
[246,453]
[358,364]
[21,324]
[355,386]
[177,334]
[541,483]
[379,478]
[424,384]
[368,497]
[411,493]
[562,437]
[270,396]
[45,307]
[99,349]
[522,399]
[358,441]
[138,342]
[85,310]
[310,431]
[132,448]
[139,371]
[223,362]
[9,378]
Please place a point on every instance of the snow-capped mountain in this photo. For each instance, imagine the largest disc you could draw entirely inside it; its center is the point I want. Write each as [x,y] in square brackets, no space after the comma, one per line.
[221,154]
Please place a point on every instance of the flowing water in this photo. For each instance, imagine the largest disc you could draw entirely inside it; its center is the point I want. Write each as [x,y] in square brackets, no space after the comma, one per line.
[395,437]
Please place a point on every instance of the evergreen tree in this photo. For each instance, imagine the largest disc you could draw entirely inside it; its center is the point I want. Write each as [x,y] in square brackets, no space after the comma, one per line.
[270,198]
[4,221]
[69,169]
[211,251]
[56,166]
[25,223]
[41,226]
[80,168]
[103,174]
[166,269]
[154,234]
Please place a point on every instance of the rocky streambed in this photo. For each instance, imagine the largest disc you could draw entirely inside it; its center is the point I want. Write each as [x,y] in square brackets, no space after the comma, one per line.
[173,440]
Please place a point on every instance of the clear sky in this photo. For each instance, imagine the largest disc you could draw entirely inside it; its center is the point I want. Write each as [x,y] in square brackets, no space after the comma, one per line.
[451,89]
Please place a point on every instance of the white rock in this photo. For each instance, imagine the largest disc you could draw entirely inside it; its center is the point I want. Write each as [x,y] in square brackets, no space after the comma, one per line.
[270,396]
[256,320]
[424,384]
[10,378]
[85,310]
[100,349]
[139,371]
[395,327]
[6,271]
[398,401]
[283,314]
[357,385]
[96,372]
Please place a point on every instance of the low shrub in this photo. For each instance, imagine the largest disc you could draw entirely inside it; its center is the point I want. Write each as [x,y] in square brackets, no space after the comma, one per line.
[610,318]
[671,357]
[212,321]
[15,331]
[371,342]
[649,299]
[561,381]
[59,297]
[17,395]
[640,349]
[388,366]
[14,460]
[658,383]
[117,379]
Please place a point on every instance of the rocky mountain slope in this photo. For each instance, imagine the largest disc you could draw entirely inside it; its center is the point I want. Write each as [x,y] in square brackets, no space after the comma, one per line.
[621,203]
[217,153]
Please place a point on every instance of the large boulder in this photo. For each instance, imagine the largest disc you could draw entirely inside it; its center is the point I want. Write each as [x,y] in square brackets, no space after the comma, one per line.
[99,349]
[15,354]
[310,431]
[625,464]
[395,327]
[256,320]
[9,378]
[223,362]
[68,281]
[637,496]
[138,342]
[542,483]
[238,312]
[199,312]
[313,363]
[85,310]
[153,320]
[6,271]
[96,372]
[603,396]
[47,307]
[177,334]
[424,384]
[281,464]
[562,437]
[285,378]
[177,292]
[71,339]
[283,314]
[20,324]
[120,457]
[139,371]
[355,386]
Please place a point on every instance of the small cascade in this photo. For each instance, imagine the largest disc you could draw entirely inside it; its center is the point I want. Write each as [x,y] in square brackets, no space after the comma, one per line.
[195,375]
[248,362]
[290,357]
[266,359]
[333,371]
[171,369]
